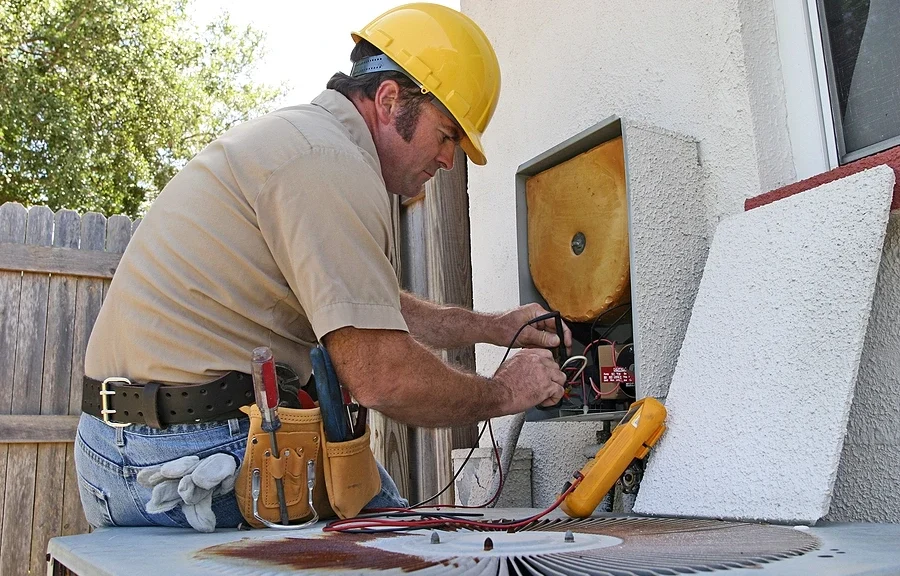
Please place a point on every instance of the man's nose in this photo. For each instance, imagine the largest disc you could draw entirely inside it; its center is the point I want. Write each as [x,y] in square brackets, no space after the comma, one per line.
[446,154]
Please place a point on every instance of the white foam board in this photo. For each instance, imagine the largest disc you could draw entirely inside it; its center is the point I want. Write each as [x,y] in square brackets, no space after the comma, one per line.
[758,404]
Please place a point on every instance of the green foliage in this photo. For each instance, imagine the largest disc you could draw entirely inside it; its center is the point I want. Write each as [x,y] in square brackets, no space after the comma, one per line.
[102,101]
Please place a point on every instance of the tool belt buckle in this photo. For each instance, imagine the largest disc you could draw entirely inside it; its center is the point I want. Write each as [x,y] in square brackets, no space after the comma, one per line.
[104,402]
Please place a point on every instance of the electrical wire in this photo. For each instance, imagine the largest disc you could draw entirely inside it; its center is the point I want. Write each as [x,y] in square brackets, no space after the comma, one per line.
[627,306]
[583,360]
[600,393]
[607,311]
[616,354]
[459,471]
[615,324]
[487,424]
[338,526]
[430,520]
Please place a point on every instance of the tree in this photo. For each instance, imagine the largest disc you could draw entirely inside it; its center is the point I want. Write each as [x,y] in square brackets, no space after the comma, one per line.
[102,101]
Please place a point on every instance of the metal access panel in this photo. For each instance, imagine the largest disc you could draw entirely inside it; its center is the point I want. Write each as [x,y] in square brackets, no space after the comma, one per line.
[666,248]
[624,546]
[573,240]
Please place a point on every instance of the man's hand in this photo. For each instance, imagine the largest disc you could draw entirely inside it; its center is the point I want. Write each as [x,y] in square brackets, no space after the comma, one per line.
[444,327]
[539,335]
[533,378]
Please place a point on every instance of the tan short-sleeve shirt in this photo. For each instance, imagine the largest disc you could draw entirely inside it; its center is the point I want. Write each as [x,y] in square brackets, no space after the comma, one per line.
[276,234]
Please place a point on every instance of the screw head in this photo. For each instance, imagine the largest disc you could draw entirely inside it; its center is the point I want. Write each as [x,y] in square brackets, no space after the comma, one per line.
[569,537]
[435,538]
[578,242]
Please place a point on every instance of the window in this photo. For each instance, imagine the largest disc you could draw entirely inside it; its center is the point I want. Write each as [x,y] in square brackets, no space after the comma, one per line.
[861,46]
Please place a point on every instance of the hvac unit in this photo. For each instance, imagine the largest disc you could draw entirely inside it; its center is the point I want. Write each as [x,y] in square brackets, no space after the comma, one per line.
[557,546]
[610,233]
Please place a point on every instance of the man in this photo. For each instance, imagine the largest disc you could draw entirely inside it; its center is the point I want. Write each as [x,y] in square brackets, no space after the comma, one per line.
[279,233]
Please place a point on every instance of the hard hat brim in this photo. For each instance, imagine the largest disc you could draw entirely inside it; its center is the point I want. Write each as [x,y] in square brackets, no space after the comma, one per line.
[472,147]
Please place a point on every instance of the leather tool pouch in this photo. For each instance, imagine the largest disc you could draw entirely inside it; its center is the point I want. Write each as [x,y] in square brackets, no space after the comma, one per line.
[346,476]
[351,475]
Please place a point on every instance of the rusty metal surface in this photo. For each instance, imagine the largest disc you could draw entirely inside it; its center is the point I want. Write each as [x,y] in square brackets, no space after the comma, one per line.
[331,552]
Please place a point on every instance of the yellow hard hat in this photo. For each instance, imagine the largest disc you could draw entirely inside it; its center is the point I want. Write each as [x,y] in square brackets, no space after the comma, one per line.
[448,55]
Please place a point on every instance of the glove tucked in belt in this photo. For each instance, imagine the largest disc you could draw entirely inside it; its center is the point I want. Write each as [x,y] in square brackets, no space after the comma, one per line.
[118,401]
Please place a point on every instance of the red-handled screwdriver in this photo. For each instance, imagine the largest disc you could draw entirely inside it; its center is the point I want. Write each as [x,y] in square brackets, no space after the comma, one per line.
[265,386]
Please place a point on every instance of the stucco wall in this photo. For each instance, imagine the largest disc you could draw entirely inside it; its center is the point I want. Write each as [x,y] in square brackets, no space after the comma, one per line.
[866,486]
[708,70]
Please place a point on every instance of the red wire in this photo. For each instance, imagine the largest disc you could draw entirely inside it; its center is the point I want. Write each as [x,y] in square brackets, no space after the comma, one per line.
[600,393]
[387,523]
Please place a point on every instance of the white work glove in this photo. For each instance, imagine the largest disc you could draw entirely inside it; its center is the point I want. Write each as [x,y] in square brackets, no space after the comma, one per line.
[191,483]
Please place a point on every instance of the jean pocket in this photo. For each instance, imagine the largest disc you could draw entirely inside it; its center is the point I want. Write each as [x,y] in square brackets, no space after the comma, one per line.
[95,504]
[233,446]
[224,508]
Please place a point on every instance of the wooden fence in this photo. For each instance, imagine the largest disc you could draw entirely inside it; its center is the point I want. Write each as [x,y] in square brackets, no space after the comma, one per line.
[54,270]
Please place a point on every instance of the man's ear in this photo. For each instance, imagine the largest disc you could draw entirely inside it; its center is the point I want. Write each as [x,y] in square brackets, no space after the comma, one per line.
[387,101]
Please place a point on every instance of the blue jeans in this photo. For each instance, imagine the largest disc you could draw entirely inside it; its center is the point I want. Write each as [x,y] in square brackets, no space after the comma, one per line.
[108,461]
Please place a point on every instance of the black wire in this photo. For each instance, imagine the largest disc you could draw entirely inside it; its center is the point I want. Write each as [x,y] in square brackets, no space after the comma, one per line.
[509,348]
[604,313]
[534,320]
[615,324]
[458,472]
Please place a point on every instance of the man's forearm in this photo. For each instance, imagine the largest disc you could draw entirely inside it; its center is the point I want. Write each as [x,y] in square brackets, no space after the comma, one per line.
[446,326]
[392,373]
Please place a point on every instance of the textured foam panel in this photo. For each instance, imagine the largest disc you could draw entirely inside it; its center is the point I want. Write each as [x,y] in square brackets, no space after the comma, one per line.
[759,400]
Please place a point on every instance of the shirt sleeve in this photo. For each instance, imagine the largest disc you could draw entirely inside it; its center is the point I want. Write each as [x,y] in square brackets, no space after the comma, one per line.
[326,218]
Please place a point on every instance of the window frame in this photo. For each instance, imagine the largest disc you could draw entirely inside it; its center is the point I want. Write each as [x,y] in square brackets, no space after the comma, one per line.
[807,99]
[817,141]
[834,113]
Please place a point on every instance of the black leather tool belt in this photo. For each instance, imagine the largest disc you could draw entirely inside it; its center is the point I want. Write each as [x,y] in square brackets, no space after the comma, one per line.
[119,402]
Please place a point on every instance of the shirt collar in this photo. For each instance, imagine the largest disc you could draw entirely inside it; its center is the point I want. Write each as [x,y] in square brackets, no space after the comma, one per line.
[346,113]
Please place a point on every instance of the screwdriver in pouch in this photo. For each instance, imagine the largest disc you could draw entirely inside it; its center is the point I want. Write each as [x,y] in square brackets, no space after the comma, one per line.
[265,386]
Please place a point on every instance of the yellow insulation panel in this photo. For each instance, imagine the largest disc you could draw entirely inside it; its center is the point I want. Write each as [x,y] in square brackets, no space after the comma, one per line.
[578,232]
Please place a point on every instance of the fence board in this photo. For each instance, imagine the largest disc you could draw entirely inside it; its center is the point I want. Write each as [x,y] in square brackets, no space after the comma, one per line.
[57,375]
[19,428]
[414,278]
[118,233]
[56,260]
[449,281]
[89,296]
[390,446]
[73,520]
[12,229]
[18,510]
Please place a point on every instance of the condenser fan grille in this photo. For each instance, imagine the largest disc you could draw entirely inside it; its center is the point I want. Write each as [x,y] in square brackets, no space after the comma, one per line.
[614,546]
